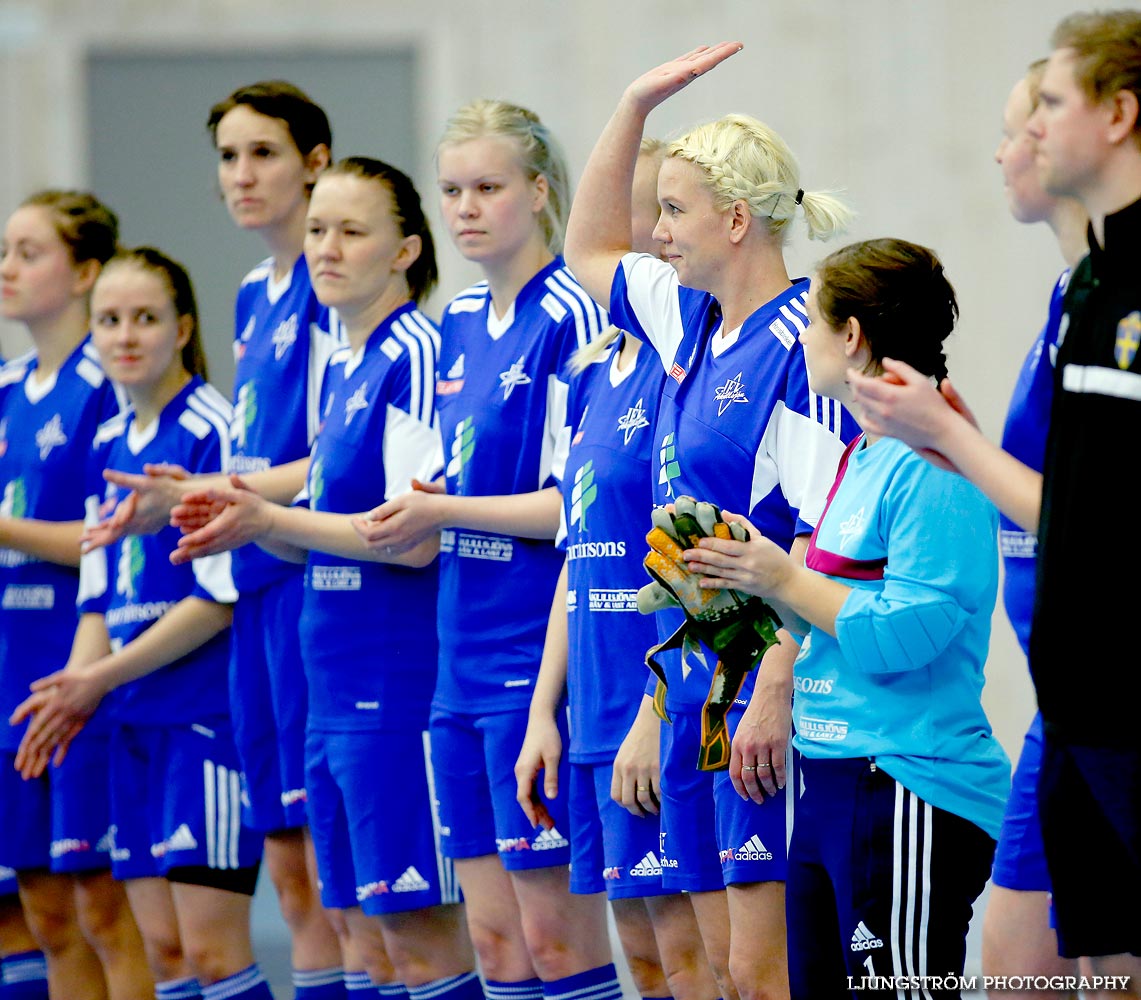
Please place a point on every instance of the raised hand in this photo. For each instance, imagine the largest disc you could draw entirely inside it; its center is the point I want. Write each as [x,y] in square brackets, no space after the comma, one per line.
[654,87]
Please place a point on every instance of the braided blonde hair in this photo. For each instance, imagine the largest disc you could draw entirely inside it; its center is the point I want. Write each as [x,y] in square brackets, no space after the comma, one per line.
[539,153]
[745,160]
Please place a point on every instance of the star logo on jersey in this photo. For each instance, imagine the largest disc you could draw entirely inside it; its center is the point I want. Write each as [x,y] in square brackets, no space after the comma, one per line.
[50,436]
[1128,339]
[14,503]
[355,403]
[668,464]
[316,483]
[632,421]
[852,527]
[245,413]
[733,391]
[130,566]
[463,445]
[514,376]
[583,493]
[284,337]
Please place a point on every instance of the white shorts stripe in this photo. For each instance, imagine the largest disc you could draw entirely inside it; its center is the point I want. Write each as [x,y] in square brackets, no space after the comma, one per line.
[209,786]
[235,792]
[445,869]
[221,851]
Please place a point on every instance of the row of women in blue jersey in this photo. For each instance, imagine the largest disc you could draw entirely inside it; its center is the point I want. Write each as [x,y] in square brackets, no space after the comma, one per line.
[52,400]
[506,185]
[720,311]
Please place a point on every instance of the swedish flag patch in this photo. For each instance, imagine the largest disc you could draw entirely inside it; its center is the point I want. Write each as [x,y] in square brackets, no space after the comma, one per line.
[1128,340]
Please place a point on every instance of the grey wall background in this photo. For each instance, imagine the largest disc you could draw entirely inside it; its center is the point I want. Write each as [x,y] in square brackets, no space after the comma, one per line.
[896,101]
[151,158]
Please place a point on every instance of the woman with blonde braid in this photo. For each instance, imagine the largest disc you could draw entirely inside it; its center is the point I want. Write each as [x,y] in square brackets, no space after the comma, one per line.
[738,427]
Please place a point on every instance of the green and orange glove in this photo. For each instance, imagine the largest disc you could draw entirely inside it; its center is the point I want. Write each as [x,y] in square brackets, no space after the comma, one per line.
[737,627]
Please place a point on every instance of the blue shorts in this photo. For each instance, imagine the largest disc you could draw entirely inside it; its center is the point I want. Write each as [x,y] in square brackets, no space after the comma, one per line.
[611,849]
[176,801]
[65,816]
[687,843]
[473,757]
[879,882]
[1089,798]
[364,857]
[268,704]
[1020,860]
[711,837]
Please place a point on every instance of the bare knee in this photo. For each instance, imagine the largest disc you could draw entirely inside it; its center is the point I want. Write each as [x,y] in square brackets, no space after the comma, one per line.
[49,910]
[163,949]
[649,978]
[289,872]
[755,980]
[503,956]
[102,909]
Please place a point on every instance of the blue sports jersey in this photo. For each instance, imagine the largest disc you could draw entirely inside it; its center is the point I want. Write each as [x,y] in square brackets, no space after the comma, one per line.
[738,425]
[283,338]
[606,490]
[46,430]
[132,582]
[901,681]
[501,398]
[368,630]
[1024,436]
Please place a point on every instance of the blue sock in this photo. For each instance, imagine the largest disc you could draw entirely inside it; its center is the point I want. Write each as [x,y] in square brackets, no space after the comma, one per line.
[465,986]
[392,991]
[319,984]
[594,984]
[527,989]
[249,984]
[179,989]
[358,982]
[24,976]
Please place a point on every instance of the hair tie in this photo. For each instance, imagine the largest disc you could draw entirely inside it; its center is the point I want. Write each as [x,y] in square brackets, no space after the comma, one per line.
[799,195]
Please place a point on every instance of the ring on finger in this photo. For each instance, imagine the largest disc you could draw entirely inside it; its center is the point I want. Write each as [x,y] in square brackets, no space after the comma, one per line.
[765,766]
[748,767]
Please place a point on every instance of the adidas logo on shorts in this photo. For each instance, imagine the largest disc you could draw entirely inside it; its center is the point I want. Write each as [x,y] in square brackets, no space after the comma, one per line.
[410,881]
[181,840]
[648,866]
[863,939]
[548,840]
[752,850]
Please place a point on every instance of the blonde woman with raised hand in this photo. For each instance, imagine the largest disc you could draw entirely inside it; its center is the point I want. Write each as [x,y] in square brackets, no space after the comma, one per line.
[738,427]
